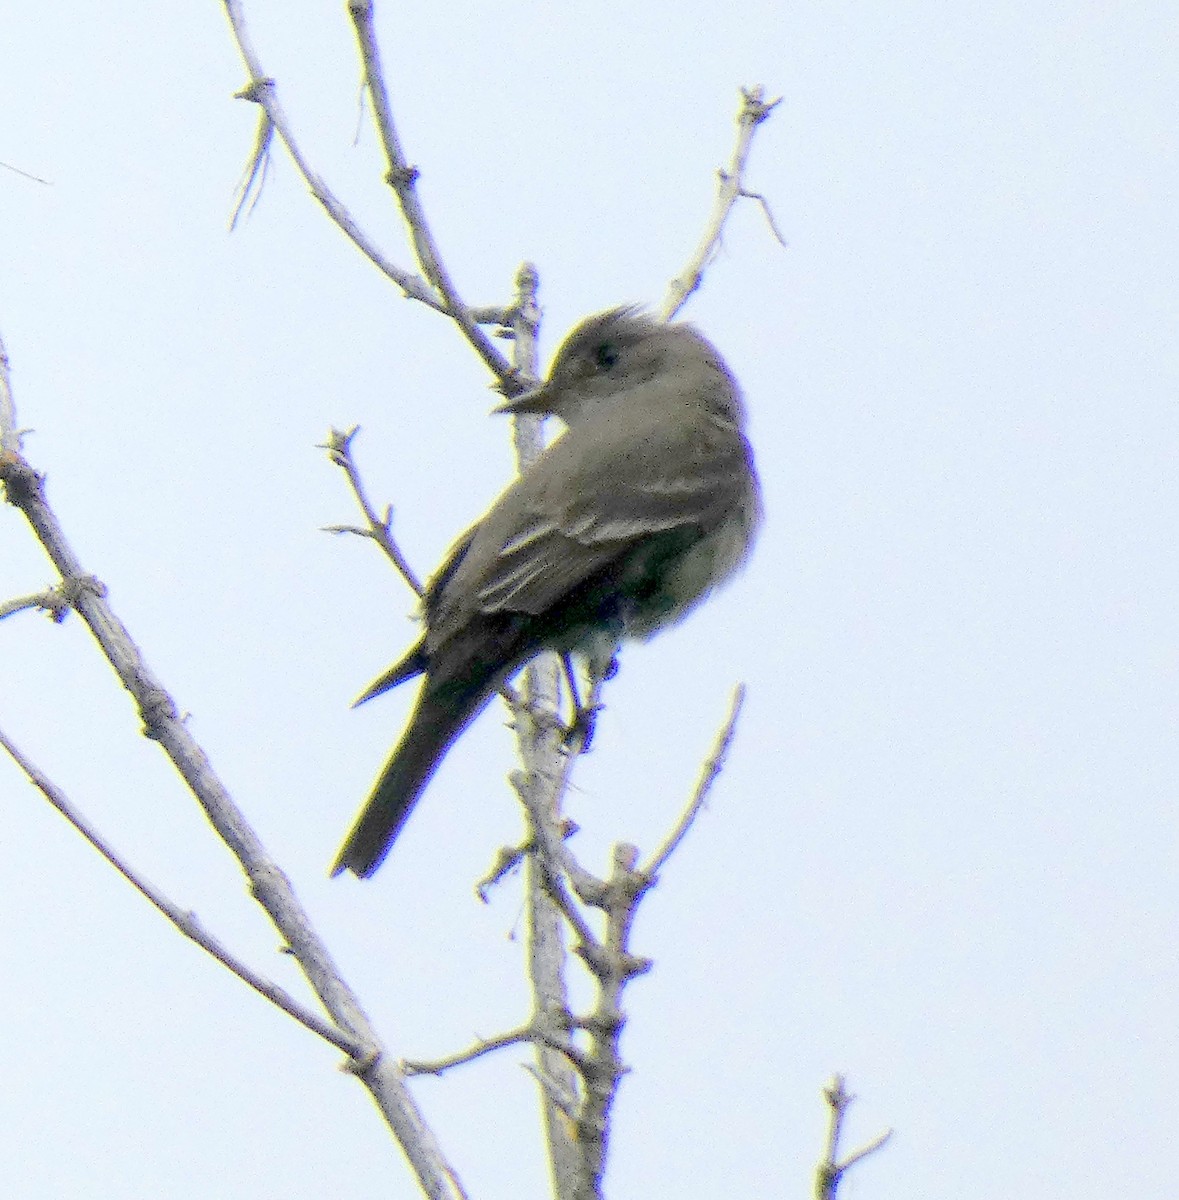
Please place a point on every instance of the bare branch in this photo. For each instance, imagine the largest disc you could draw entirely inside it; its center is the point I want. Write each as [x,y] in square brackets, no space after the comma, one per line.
[254,176]
[540,742]
[754,110]
[402,178]
[553,862]
[494,314]
[863,1152]
[535,1033]
[339,448]
[268,884]
[10,433]
[608,959]
[262,91]
[54,601]
[187,922]
[832,1169]
[613,966]
[769,215]
[27,174]
[507,859]
[708,774]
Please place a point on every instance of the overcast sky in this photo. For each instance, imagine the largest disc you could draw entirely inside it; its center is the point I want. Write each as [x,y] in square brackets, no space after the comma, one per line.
[943,858]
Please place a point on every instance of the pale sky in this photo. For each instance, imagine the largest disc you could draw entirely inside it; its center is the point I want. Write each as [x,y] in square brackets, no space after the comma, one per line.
[943,858]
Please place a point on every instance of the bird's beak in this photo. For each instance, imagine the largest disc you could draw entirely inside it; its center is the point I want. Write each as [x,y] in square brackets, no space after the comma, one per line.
[539,400]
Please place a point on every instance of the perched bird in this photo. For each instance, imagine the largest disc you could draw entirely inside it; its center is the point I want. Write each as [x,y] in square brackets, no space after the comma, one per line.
[645,503]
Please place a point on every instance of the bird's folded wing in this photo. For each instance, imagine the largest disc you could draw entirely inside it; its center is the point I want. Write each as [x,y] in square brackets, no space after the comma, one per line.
[565,534]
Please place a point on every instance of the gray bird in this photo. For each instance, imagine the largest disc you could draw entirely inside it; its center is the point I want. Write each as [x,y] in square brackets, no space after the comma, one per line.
[647,502]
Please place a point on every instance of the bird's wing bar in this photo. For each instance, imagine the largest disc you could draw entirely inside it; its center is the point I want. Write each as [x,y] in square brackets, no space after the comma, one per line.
[616,479]
[553,553]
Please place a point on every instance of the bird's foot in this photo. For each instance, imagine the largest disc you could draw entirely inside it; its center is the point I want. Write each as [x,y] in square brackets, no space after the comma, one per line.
[580,733]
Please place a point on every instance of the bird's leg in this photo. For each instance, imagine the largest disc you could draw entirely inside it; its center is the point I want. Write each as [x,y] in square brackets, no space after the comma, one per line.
[601,664]
[571,680]
[580,733]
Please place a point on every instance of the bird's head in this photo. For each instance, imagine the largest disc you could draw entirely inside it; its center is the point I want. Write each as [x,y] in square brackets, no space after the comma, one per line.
[606,357]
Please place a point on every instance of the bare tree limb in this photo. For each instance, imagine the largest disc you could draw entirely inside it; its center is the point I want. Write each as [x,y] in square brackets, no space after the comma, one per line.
[555,863]
[769,216]
[754,110]
[379,529]
[435,288]
[535,1033]
[254,176]
[261,90]
[53,601]
[832,1169]
[402,178]
[609,958]
[10,432]
[268,884]
[541,747]
[507,858]
[708,774]
[187,922]
[27,174]
[493,314]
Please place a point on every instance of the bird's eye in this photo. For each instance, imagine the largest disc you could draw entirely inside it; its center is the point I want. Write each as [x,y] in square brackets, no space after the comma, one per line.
[605,356]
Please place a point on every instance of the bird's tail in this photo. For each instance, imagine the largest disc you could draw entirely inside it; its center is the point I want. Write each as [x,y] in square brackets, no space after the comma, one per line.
[433,727]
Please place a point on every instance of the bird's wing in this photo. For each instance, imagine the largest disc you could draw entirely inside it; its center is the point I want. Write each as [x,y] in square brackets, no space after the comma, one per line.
[588,501]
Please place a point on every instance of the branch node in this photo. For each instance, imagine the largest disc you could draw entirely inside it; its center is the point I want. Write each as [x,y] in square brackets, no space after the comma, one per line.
[157,711]
[53,601]
[506,860]
[339,451]
[80,585]
[756,107]
[402,177]
[21,483]
[361,1065]
[832,1169]
[255,91]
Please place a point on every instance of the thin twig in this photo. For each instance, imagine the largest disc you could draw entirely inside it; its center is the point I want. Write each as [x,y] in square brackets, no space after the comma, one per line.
[10,432]
[24,488]
[254,176]
[493,314]
[552,859]
[769,216]
[261,90]
[27,174]
[507,859]
[613,966]
[754,110]
[832,1169]
[339,448]
[52,600]
[187,922]
[563,1100]
[531,1034]
[708,774]
[402,178]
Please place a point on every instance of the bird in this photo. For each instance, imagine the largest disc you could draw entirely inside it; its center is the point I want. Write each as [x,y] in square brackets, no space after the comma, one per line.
[647,501]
